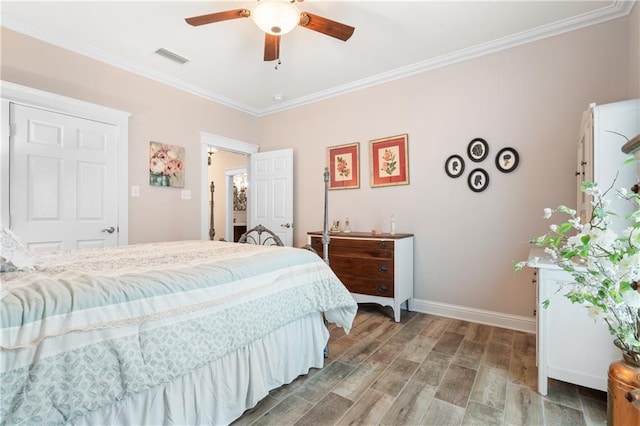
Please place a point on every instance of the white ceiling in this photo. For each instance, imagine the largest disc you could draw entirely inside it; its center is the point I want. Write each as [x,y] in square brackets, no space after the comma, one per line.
[392,39]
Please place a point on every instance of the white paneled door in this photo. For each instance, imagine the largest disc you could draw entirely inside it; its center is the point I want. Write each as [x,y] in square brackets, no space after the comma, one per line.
[63,191]
[271,192]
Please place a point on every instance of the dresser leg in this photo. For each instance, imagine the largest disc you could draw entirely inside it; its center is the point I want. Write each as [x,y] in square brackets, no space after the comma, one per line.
[397,311]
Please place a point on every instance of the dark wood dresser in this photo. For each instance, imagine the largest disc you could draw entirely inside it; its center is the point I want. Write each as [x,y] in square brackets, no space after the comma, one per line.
[375,268]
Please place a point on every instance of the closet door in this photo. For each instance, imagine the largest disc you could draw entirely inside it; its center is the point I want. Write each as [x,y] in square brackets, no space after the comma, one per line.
[63,174]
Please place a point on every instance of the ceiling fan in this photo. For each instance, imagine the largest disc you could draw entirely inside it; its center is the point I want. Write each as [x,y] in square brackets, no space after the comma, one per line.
[275,18]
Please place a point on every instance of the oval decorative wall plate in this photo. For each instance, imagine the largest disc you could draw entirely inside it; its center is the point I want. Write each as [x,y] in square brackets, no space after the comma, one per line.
[454,166]
[507,160]
[478,149]
[478,180]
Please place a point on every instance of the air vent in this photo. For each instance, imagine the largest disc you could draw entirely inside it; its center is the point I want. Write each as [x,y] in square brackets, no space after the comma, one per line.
[172,56]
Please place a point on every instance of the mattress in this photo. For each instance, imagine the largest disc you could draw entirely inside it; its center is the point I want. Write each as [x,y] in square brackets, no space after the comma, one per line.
[93,328]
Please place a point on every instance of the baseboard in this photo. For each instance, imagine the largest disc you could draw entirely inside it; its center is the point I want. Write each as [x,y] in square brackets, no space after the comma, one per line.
[497,319]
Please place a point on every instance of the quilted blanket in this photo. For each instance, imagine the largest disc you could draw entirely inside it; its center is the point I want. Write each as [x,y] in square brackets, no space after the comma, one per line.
[92,327]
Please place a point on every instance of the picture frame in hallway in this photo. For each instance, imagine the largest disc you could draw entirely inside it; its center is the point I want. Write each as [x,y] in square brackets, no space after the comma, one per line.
[389,161]
[344,166]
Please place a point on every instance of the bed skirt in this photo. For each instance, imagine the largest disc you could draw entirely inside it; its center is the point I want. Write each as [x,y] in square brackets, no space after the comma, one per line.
[222,390]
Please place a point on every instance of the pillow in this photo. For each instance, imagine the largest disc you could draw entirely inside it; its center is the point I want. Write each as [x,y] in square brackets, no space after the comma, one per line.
[13,255]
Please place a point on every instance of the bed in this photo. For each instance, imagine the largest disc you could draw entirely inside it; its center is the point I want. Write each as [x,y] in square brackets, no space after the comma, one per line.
[189,332]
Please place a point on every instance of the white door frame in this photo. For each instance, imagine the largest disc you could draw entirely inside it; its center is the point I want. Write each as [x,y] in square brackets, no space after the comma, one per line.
[225,144]
[15,93]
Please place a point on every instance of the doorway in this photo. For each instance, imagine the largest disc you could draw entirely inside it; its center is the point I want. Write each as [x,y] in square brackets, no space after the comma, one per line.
[222,167]
[236,152]
[236,202]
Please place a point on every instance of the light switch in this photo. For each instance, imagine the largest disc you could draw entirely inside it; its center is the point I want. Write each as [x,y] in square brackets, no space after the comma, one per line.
[186,194]
[135,191]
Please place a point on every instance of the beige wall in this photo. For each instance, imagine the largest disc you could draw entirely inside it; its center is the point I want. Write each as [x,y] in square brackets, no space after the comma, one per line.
[634,51]
[530,98]
[158,113]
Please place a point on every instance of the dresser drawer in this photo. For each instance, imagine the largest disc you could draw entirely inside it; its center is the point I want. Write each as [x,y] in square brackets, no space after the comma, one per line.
[365,267]
[372,286]
[359,248]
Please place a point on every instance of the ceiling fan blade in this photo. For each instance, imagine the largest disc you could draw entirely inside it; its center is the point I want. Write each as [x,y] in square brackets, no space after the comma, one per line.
[218,17]
[271,47]
[326,26]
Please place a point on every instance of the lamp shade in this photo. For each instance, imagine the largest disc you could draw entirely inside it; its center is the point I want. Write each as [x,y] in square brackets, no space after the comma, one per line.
[275,17]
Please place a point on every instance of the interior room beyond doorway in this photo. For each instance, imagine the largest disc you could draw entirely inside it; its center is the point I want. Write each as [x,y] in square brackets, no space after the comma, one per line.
[217,172]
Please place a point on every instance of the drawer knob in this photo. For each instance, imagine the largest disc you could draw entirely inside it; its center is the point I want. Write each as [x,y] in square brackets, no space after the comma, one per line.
[382,268]
[383,288]
[383,244]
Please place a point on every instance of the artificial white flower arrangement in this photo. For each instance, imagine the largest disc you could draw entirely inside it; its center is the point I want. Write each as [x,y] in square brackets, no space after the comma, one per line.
[604,264]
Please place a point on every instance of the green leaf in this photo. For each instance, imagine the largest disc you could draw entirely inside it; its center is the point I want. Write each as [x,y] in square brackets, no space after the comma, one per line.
[568,253]
[625,286]
[564,228]
[518,266]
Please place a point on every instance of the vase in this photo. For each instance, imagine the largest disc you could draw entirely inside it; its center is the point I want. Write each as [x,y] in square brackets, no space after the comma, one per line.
[623,389]
[159,179]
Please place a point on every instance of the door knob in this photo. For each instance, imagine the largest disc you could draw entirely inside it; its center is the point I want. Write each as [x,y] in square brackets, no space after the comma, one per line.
[110,230]
[286,225]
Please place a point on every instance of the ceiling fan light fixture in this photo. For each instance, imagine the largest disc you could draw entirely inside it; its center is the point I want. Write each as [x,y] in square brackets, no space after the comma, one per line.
[275,17]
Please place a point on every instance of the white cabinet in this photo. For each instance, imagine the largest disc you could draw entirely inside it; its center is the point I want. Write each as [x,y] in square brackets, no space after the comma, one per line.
[605,129]
[570,347]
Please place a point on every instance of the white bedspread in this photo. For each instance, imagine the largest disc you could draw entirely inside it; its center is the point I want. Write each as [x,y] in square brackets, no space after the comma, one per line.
[90,328]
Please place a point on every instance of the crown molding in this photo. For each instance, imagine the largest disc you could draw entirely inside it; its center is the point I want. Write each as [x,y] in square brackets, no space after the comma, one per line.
[618,9]
[20,26]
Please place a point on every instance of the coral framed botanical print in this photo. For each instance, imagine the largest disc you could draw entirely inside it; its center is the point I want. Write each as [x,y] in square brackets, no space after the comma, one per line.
[344,166]
[389,161]
[166,165]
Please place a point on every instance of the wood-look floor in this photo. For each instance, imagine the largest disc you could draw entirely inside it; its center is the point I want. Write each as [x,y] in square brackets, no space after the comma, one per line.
[426,370]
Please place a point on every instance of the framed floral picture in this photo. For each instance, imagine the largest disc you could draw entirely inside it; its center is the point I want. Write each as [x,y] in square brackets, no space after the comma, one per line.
[344,166]
[166,165]
[389,161]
